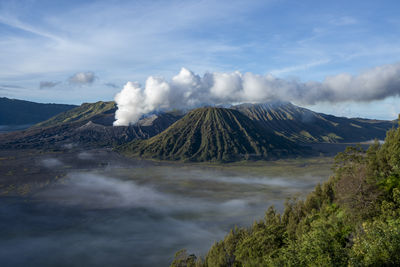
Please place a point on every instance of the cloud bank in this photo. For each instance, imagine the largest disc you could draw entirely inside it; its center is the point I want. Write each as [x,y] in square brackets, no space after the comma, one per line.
[189,90]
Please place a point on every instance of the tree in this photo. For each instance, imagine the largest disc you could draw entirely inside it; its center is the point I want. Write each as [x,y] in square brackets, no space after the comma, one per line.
[182,259]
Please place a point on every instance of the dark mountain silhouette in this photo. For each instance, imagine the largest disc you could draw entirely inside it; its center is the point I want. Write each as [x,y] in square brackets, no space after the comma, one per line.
[21,112]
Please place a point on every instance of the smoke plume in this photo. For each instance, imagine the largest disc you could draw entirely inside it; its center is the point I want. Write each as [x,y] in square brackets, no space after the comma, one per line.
[188,90]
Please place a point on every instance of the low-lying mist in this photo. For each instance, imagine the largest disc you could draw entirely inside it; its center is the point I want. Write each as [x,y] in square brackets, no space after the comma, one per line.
[136,215]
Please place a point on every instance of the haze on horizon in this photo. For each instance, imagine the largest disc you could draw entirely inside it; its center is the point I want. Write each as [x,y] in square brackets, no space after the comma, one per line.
[85,51]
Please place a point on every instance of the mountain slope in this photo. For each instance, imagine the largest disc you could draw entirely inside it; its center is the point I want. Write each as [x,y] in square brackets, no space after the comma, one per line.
[303,125]
[102,112]
[89,125]
[20,112]
[212,134]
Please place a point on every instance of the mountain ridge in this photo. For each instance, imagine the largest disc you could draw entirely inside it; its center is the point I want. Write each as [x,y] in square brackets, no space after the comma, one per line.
[91,125]
[303,125]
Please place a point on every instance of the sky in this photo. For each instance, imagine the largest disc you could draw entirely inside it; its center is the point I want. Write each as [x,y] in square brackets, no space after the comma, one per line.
[86,51]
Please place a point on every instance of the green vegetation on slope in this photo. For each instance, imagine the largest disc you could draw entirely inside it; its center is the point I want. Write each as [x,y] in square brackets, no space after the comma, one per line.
[213,134]
[303,125]
[351,220]
[86,111]
[19,112]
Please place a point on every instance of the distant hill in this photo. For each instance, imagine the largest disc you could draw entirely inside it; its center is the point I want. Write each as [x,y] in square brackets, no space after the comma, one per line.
[89,125]
[99,112]
[303,125]
[21,112]
[213,134]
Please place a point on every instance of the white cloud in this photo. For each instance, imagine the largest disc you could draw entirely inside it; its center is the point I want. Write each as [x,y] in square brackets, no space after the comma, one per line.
[82,78]
[188,90]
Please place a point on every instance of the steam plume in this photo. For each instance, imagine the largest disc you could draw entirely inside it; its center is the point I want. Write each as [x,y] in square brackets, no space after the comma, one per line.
[189,90]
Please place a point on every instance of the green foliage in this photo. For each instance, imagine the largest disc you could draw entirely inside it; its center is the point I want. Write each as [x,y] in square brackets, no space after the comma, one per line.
[182,259]
[223,253]
[349,160]
[351,220]
[379,245]
[262,241]
[390,151]
[378,242]
[356,187]
[389,162]
[322,242]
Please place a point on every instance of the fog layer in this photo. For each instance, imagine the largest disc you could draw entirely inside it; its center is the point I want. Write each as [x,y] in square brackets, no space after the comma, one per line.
[134,216]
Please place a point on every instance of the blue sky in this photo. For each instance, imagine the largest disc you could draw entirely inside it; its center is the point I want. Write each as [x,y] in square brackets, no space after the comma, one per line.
[84,51]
